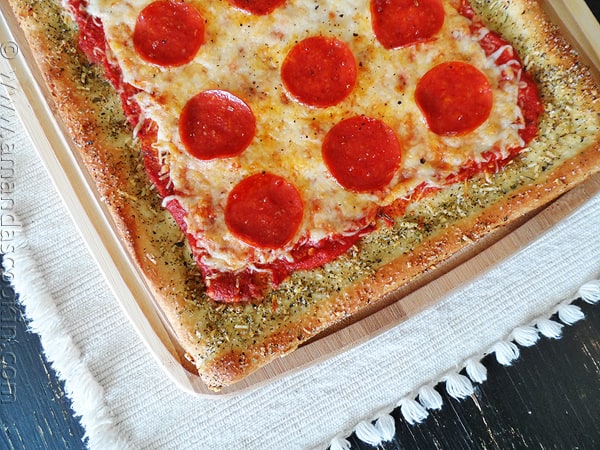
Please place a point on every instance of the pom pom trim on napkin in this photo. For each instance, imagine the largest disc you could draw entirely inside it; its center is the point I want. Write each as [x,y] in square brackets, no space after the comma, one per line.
[414,407]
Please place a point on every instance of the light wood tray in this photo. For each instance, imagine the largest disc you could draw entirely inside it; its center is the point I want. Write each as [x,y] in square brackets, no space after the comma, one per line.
[92,220]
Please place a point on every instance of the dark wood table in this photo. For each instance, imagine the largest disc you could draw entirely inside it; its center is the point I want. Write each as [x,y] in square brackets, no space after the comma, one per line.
[549,399]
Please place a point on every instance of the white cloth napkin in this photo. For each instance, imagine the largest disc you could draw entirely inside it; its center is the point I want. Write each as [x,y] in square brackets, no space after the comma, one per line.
[126,400]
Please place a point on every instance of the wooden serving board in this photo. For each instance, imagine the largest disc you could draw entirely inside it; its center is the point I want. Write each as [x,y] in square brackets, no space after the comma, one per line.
[31,101]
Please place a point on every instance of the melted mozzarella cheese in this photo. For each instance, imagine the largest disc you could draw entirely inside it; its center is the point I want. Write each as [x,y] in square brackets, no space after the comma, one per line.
[243,54]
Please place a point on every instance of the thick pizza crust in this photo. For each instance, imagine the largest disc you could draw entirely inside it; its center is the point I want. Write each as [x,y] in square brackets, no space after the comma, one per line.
[228,342]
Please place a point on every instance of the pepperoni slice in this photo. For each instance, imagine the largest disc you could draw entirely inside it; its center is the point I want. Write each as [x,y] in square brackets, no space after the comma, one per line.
[400,23]
[362,153]
[319,71]
[216,124]
[257,7]
[264,210]
[455,98]
[168,33]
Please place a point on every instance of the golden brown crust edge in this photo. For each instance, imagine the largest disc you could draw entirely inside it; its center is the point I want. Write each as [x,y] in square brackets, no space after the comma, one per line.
[155,242]
[93,118]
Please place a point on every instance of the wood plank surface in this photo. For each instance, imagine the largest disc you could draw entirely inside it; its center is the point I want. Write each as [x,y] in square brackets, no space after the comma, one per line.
[34,411]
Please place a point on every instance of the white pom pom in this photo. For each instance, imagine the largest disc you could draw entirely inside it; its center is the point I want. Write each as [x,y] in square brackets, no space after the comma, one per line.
[476,371]
[339,443]
[386,427]
[412,411]
[506,352]
[569,314]
[430,398]
[525,336]
[590,291]
[550,328]
[458,386]
[366,432]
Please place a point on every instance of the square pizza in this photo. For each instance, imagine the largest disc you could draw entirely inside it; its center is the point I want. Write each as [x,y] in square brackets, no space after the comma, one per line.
[275,167]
